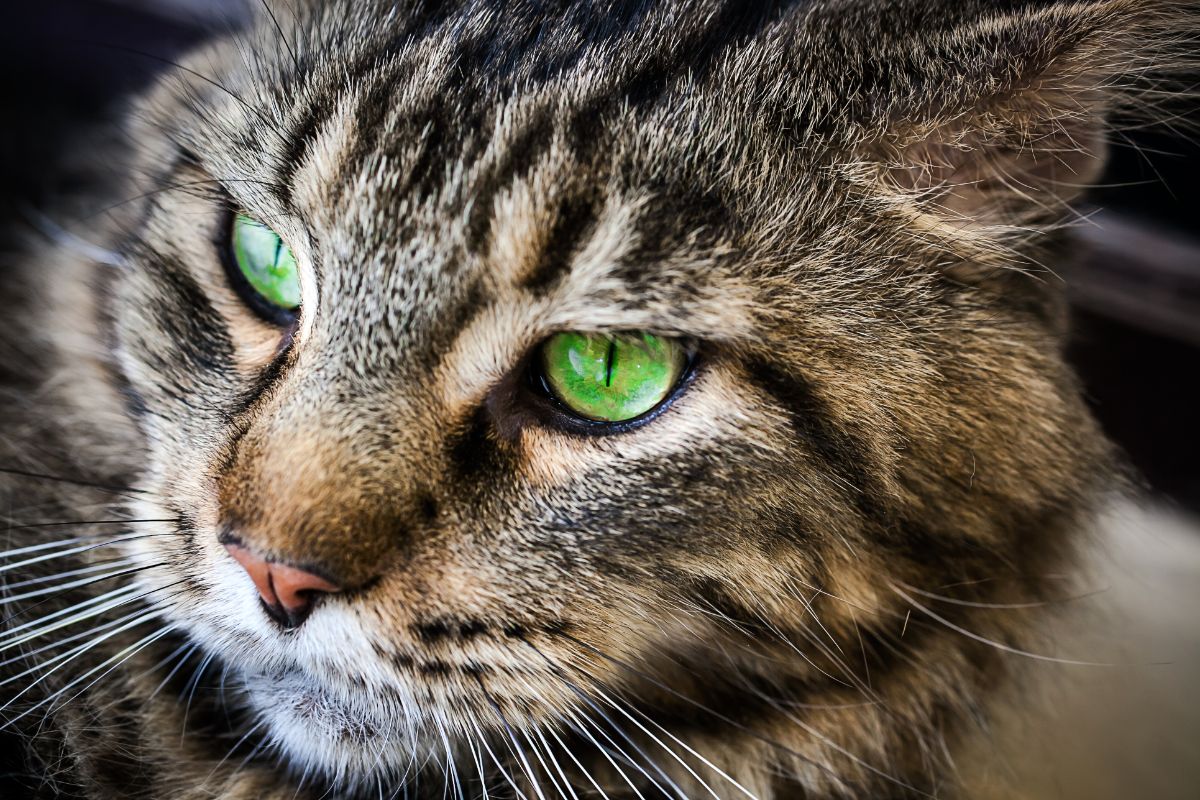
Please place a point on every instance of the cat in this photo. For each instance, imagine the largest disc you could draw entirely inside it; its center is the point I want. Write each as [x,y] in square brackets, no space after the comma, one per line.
[551,399]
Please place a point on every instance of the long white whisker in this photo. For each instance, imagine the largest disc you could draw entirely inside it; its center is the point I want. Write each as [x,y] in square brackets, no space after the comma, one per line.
[115,661]
[34,548]
[75,609]
[83,548]
[499,766]
[537,754]
[62,587]
[727,720]
[88,570]
[575,760]
[478,759]
[582,731]
[645,756]
[520,752]
[75,637]
[192,685]
[600,693]
[549,750]
[71,656]
[191,648]
[241,740]
[682,744]
[998,645]
[451,768]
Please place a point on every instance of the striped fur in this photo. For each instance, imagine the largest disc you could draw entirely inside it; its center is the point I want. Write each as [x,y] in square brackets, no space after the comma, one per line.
[847,204]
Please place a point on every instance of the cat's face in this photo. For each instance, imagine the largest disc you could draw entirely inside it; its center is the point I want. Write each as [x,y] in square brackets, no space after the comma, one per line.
[846,416]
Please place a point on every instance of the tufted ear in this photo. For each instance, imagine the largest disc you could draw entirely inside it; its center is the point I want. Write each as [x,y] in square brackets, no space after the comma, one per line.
[996,122]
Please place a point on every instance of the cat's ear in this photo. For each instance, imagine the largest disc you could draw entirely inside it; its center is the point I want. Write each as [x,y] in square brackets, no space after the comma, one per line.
[998,122]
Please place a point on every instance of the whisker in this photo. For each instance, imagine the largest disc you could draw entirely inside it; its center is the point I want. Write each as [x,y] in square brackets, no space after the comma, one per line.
[577,763]
[520,752]
[70,656]
[73,481]
[648,760]
[33,606]
[82,548]
[450,771]
[115,661]
[537,753]
[549,750]
[1014,606]
[74,637]
[998,645]
[253,729]
[90,569]
[77,651]
[80,523]
[283,37]
[187,649]
[582,731]
[97,600]
[193,684]
[173,187]
[503,772]
[599,692]
[812,612]
[751,732]
[72,585]
[682,744]
[625,757]
[478,759]
[271,125]
[254,753]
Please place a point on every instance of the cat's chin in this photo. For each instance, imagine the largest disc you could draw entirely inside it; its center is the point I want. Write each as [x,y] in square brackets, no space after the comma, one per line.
[351,739]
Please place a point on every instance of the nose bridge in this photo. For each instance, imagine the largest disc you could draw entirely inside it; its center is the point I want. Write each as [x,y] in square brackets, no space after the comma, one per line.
[332,480]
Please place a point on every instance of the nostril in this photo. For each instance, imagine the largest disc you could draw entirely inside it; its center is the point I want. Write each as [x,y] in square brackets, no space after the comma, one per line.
[295,587]
[288,593]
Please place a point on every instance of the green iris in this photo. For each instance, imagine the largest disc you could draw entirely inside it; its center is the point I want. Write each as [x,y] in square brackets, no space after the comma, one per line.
[266,263]
[611,378]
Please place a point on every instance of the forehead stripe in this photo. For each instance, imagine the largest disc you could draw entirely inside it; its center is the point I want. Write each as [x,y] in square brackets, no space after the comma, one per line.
[299,147]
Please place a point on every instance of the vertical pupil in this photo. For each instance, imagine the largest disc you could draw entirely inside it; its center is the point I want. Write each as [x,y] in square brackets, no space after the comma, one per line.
[610,361]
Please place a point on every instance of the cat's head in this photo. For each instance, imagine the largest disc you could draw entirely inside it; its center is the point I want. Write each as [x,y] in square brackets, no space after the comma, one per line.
[663,355]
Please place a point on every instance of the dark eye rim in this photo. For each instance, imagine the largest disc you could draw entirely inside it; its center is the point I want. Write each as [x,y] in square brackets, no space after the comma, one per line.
[263,309]
[554,412]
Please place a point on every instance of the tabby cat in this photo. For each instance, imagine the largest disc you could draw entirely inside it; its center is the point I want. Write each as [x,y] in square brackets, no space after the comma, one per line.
[561,400]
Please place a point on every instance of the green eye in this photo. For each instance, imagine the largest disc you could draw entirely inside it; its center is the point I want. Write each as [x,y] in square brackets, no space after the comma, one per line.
[266,264]
[611,378]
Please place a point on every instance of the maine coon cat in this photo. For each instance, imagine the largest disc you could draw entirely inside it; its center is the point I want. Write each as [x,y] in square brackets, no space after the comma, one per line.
[620,399]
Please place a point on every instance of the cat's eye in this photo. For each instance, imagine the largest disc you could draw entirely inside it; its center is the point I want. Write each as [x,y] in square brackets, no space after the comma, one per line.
[611,377]
[264,269]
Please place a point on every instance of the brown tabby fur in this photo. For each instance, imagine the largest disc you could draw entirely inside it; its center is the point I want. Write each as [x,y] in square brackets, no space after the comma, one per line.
[852,208]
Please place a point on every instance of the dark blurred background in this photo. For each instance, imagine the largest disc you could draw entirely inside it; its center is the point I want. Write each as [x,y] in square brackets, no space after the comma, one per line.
[1136,299]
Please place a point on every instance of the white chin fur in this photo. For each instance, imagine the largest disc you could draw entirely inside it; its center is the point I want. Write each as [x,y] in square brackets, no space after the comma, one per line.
[345,738]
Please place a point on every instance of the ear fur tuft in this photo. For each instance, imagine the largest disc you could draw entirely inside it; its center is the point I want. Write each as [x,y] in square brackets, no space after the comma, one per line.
[996,125]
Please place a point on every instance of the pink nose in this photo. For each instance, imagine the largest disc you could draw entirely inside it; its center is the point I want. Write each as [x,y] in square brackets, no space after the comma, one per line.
[287,592]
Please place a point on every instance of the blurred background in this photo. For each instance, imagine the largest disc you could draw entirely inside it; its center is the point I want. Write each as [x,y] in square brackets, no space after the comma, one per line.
[1135,299]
